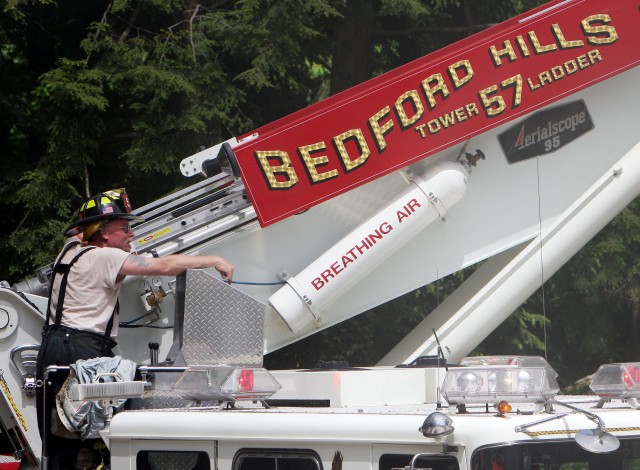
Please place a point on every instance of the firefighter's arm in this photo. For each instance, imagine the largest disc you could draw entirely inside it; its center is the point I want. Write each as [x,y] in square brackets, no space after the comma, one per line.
[172,265]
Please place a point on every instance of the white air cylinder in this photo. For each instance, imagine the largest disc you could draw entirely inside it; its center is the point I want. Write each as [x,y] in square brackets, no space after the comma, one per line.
[427,198]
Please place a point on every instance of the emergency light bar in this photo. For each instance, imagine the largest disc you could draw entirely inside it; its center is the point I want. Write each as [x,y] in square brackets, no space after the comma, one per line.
[491,379]
[226,384]
[523,361]
[620,380]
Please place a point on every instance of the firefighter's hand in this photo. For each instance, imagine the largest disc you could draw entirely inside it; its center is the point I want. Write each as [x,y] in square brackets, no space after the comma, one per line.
[225,269]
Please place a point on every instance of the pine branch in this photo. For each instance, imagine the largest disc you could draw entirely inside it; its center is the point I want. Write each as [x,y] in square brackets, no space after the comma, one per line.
[431,29]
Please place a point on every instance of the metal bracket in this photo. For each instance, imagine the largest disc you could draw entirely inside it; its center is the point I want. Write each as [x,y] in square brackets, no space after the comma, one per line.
[24,359]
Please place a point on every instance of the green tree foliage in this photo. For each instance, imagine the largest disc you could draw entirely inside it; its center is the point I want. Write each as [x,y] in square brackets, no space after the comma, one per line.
[117,93]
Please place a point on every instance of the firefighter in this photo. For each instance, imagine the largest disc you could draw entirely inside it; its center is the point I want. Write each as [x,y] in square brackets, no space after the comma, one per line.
[82,315]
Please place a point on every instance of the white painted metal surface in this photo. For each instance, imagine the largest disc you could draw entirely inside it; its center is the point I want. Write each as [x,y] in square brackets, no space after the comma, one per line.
[350,428]
[428,197]
[510,283]
[18,408]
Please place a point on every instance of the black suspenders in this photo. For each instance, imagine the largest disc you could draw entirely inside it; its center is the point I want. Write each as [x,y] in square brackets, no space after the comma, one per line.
[64,268]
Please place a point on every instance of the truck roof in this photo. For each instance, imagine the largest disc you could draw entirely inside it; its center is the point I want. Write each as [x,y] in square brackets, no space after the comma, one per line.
[477,427]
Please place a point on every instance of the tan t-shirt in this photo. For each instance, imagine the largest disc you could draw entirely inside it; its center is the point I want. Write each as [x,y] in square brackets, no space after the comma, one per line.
[92,290]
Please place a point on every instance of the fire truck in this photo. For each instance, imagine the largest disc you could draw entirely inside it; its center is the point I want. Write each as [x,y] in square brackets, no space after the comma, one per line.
[507,151]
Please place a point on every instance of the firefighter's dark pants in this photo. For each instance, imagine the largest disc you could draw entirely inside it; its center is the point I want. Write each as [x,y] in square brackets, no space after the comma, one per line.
[63,346]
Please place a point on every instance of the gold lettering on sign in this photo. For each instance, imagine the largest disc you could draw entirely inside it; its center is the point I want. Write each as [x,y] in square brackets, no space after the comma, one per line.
[413,98]
[497,54]
[599,33]
[460,72]
[284,168]
[363,148]
[533,37]
[432,85]
[564,44]
[312,163]
[569,67]
[379,131]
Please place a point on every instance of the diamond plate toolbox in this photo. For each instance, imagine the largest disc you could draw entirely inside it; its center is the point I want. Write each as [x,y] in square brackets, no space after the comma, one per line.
[222,325]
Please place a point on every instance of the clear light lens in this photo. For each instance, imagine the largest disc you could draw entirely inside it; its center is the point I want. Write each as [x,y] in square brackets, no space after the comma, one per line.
[492,381]
[226,384]
[521,361]
[620,380]
[495,378]
[469,382]
[525,381]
